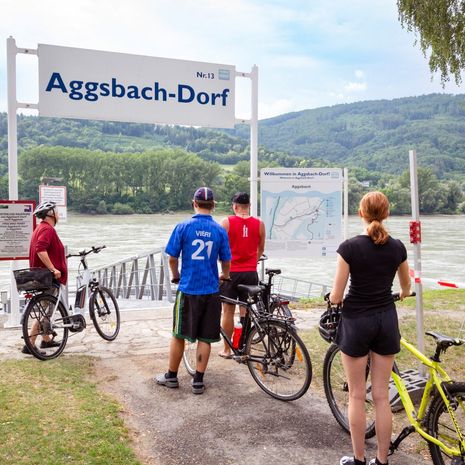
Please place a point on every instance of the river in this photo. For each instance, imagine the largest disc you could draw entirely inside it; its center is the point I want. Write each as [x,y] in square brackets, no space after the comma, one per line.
[443,244]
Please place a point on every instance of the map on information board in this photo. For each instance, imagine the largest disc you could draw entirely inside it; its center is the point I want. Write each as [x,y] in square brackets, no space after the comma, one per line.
[302,210]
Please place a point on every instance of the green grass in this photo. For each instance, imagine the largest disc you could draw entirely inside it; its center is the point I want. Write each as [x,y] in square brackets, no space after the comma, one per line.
[52,414]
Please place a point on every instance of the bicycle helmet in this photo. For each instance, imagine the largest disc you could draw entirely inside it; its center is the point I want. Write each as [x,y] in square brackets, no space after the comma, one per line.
[43,208]
[329,321]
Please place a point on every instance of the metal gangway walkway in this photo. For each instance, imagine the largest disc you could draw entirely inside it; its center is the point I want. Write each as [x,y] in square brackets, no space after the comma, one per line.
[147,277]
[139,277]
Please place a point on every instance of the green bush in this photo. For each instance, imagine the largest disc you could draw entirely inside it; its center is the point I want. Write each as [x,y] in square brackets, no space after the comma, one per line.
[122,209]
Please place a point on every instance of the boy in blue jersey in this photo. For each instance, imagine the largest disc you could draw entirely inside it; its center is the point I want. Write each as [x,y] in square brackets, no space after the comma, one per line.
[200,241]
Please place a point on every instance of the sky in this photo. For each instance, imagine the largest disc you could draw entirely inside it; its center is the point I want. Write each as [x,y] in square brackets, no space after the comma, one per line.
[310,53]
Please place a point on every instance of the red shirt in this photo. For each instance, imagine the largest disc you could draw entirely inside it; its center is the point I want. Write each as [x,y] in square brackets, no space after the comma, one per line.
[244,237]
[45,239]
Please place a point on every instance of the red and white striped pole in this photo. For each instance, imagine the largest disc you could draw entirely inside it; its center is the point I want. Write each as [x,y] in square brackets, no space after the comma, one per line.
[415,239]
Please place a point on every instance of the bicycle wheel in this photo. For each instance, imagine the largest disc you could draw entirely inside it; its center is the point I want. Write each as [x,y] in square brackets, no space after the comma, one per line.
[278,360]
[337,391]
[441,426]
[104,312]
[41,328]
[188,357]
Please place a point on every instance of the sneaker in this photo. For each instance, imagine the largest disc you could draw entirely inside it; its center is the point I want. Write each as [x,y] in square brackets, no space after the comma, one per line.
[49,344]
[198,387]
[375,462]
[351,461]
[25,350]
[168,382]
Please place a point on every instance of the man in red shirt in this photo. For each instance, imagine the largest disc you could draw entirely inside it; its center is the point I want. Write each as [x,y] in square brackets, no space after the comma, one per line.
[247,242]
[47,251]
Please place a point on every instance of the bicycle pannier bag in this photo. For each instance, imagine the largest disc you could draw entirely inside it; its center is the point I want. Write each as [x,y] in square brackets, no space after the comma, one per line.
[33,279]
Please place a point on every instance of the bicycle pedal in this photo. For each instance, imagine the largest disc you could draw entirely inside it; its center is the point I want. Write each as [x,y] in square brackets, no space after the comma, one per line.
[240,358]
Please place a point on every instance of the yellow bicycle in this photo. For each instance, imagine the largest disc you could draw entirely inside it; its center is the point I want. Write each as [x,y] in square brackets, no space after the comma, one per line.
[440,417]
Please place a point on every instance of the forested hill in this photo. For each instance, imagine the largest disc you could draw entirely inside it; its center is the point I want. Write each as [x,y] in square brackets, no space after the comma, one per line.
[375,135]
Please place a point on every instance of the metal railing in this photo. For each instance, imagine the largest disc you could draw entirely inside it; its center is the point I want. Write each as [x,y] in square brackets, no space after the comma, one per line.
[147,277]
[295,289]
[140,277]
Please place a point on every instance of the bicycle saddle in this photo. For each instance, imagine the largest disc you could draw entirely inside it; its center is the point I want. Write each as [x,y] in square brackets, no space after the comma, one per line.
[273,271]
[252,291]
[445,341]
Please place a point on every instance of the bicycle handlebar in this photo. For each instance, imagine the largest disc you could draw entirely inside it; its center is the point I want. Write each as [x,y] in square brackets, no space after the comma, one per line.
[396,295]
[85,252]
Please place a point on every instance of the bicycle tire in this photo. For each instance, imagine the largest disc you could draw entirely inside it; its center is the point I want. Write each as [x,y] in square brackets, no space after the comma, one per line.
[189,356]
[36,313]
[104,313]
[441,426]
[337,392]
[278,360]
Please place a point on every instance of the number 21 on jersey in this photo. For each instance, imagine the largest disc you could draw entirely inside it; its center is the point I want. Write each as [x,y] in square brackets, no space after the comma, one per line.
[201,247]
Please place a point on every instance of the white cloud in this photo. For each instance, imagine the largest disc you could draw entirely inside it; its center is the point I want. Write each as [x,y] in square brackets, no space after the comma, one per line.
[275,108]
[355,86]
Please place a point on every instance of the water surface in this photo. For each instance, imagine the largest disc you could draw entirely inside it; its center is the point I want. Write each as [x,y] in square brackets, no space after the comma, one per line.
[443,244]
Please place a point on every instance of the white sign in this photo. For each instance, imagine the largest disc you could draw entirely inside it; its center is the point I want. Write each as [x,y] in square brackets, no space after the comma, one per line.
[16,226]
[55,194]
[302,210]
[91,84]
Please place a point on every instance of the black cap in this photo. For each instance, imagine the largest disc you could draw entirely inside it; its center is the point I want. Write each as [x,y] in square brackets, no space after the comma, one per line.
[241,198]
[204,194]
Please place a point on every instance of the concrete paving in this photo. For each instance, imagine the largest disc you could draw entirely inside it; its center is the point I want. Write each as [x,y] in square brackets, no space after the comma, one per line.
[145,329]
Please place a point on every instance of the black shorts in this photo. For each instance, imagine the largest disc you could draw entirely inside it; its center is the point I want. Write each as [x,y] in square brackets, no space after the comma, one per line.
[229,288]
[197,317]
[378,332]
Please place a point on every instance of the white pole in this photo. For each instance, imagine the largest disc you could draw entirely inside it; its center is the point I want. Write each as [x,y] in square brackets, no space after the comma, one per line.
[11,51]
[417,251]
[254,143]
[346,203]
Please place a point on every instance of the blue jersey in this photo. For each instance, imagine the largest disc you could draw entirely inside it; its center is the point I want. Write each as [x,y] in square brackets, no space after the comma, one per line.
[200,241]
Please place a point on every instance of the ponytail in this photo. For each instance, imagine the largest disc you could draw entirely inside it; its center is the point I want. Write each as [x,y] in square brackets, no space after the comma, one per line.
[377,232]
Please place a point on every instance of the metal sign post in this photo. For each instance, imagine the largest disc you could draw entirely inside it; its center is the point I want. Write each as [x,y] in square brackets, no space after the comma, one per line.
[253,121]
[415,239]
[11,52]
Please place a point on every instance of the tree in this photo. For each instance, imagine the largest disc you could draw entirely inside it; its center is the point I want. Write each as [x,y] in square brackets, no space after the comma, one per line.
[441,26]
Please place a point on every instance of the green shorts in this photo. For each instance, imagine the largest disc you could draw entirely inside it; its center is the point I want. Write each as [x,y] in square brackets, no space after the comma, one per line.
[197,317]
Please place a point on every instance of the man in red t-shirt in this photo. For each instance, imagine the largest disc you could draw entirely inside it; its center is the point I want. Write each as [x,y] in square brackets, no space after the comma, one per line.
[47,251]
[247,242]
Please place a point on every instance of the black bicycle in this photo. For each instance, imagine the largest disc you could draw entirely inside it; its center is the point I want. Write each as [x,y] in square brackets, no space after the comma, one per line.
[270,347]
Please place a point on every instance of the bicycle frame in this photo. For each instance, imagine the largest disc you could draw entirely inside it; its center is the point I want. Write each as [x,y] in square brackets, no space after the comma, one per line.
[437,377]
[252,317]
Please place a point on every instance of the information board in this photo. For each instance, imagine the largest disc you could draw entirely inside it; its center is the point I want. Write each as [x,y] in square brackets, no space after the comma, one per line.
[302,210]
[55,194]
[16,226]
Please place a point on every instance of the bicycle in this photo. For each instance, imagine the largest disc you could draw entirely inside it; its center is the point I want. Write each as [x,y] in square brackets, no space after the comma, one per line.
[274,353]
[46,316]
[440,417]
